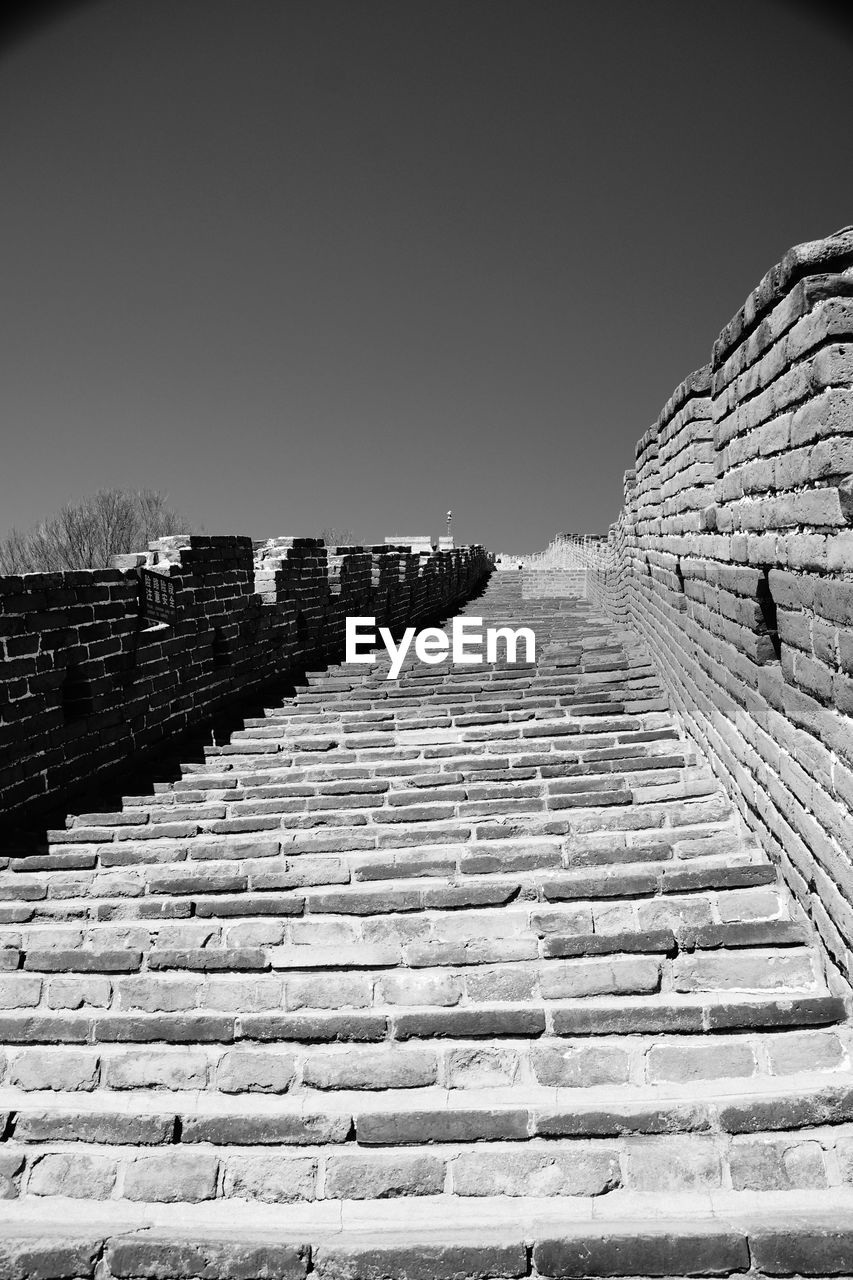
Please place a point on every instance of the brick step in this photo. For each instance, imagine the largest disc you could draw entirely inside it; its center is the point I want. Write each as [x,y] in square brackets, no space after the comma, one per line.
[458,712]
[431,941]
[200,790]
[541,1143]
[517,839]
[394,694]
[639,746]
[63,950]
[518,734]
[594,1015]
[565,788]
[240,888]
[507,932]
[425,800]
[570,722]
[395,710]
[316,859]
[326,753]
[508,684]
[748,1059]
[160,821]
[664,731]
[322,779]
[215,798]
[712,1234]
[216,1158]
[425,1116]
[224,979]
[431,814]
[199,915]
[447,683]
[66,954]
[562,662]
[270,840]
[574,758]
[430,970]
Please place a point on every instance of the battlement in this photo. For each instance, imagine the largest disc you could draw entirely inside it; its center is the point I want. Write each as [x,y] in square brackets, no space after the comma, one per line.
[733,558]
[103,664]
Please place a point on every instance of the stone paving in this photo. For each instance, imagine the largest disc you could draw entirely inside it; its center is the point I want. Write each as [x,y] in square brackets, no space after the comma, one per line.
[472,973]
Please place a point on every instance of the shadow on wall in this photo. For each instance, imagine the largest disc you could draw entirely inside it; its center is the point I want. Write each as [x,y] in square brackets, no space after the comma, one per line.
[103,664]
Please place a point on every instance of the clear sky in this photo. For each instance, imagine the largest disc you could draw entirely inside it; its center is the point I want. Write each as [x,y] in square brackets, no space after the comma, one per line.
[303,263]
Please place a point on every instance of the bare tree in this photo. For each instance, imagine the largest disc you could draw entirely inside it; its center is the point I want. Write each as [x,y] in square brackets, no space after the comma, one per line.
[338,537]
[83,535]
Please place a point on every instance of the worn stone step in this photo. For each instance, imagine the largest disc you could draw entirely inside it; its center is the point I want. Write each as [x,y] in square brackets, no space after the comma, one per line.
[807,1234]
[449,945]
[618,1063]
[594,1015]
[413,823]
[189,920]
[656,874]
[425,1117]
[288,1166]
[379,975]
[581,848]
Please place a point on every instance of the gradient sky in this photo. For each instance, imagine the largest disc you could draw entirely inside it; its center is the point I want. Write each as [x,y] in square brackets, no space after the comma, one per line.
[302,263]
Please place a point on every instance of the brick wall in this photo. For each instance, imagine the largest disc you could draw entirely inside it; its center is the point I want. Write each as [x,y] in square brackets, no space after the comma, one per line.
[87,680]
[536,583]
[733,557]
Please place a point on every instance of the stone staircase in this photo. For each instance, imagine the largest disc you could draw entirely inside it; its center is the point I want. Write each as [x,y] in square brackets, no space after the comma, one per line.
[474,973]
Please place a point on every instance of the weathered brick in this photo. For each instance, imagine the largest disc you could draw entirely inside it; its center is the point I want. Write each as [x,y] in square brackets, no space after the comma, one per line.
[490,1253]
[295,1127]
[813,1246]
[687,1063]
[254,1071]
[803,1051]
[67,1070]
[173,1176]
[18,991]
[469,1022]
[158,1254]
[76,993]
[580,1066]
[272,1179]
[78,1175]
[667,1249]
[50,1253]
[763,1165]
[672,1164]
[386,1068]
[600,977]
[86,1126]
[520,1172]
[452,1125]
[181,1069]
[482,1066]
[380,1175]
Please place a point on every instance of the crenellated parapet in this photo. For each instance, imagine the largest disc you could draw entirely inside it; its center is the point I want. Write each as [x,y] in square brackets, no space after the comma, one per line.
[101,665]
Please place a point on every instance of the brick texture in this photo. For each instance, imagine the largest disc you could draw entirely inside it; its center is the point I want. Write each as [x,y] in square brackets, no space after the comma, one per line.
[732,559]
[88,681]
